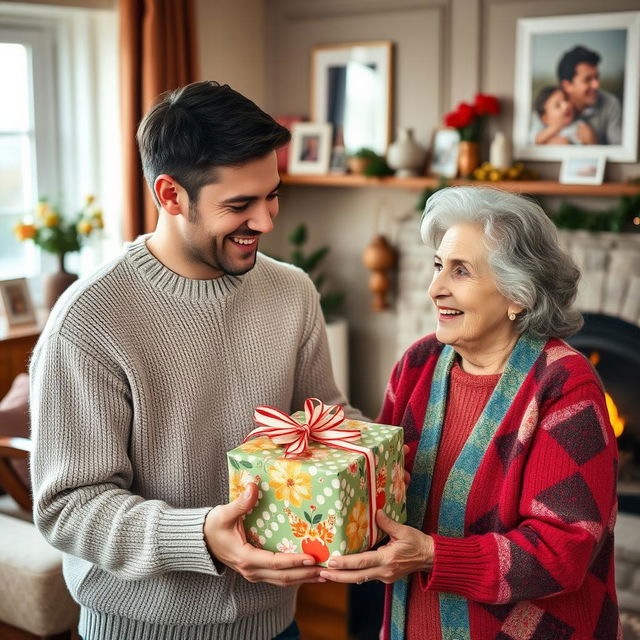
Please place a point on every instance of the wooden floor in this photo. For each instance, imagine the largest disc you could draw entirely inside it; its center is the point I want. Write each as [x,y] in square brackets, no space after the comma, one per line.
[321,613]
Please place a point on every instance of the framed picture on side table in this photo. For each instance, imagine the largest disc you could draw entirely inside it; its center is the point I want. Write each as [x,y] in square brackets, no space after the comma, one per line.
[582,169]
[444,153]
[16,301]
[310,148]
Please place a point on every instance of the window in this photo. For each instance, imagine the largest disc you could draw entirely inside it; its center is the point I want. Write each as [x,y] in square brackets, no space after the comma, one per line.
[59,131]
[27,128]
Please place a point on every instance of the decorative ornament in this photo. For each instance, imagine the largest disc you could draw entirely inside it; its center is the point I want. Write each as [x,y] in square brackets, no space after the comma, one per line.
[380,257]
[405,155]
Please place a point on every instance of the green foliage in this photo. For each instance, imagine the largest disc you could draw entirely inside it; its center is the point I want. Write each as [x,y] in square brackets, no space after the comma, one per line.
[365,152]
[618,219]
[377,165]
[330,301]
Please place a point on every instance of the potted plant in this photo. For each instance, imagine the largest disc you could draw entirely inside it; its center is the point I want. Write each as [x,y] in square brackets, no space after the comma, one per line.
[53,233]
[368,163]
[470,120]
[330,302]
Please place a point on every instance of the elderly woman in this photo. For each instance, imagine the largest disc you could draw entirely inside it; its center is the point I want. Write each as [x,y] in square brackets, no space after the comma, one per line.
[512,500]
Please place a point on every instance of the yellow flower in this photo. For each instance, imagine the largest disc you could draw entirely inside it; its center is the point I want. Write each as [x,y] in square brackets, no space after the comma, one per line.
[84,227]
[90,199]
[51,219]
[98,222]
[238,483]
[25,231]
[290,482]
[358,526]
[258,444]
[44,209]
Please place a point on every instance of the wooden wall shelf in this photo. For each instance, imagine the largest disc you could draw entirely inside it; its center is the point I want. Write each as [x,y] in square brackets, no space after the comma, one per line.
[534,187]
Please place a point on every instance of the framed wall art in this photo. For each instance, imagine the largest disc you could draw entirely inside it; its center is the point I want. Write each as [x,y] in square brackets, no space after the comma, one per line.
[351,88]
[577,84]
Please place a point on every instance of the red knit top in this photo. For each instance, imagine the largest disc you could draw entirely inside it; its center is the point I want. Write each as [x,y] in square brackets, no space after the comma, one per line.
[468,394]
[536,557]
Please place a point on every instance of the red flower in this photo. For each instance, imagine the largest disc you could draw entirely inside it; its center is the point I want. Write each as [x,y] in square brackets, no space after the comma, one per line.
[487,105]
[463,116]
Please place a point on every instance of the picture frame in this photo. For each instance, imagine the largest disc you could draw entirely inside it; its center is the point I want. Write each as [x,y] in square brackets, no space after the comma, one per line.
[444,152]
[16,301]
[352,88]
[579,169]
[310,148]
[602,93]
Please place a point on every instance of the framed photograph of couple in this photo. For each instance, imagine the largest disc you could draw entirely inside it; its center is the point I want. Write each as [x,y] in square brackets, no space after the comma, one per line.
[577,84]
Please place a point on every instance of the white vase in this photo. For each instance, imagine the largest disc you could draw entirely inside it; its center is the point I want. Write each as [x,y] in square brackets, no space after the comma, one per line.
[405,155]
[338,335]
[500,151]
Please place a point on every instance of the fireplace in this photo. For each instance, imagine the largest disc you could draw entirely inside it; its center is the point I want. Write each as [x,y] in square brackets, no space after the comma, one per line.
[613,346]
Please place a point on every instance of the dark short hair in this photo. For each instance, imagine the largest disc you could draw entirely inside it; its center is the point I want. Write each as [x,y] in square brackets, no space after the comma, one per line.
[571,59]
[542,97]
[192,130]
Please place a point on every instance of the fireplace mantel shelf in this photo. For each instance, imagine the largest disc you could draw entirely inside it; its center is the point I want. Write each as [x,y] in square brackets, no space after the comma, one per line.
[541,187]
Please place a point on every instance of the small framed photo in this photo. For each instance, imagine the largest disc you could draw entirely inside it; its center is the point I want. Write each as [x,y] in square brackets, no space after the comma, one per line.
[16,301]
[444,152]
[582,169]
[310,149]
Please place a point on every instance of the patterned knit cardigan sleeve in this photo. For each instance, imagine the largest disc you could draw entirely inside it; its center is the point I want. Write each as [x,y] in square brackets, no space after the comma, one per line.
[546,486]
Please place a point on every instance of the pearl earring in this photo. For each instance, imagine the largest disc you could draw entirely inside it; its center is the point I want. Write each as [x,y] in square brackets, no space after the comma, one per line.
[512,316]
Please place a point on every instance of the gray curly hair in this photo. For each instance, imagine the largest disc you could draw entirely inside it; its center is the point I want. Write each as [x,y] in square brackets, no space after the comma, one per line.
[530,267]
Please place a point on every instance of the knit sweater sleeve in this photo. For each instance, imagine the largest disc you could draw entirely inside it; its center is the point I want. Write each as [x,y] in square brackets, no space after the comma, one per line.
[566,511]
[81,419]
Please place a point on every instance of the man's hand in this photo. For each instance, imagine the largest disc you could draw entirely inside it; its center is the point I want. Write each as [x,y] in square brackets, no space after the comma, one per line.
[227,543]
[585,134]
[408,551]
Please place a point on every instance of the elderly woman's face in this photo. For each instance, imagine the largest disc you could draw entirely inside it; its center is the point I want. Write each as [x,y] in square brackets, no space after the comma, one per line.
[472,313]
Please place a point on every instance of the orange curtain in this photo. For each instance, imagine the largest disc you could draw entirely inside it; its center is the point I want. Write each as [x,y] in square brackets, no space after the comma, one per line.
[157,53]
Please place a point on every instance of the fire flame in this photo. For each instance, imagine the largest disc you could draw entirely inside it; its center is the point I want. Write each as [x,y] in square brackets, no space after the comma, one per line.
[617,421]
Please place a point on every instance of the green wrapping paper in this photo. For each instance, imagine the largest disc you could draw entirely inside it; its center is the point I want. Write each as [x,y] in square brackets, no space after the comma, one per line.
[318,502]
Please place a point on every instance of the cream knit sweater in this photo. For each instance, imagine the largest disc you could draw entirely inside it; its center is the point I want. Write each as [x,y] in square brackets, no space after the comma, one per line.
[140,382]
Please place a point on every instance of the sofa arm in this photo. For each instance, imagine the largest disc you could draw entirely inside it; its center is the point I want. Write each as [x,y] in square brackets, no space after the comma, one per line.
[10,481]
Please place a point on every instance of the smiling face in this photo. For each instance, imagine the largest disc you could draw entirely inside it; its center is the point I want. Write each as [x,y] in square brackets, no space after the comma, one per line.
[473,316]
[221,233]
[583,88]
[558,109]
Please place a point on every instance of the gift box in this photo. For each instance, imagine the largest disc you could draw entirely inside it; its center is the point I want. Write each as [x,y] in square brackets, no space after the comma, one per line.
[320,479]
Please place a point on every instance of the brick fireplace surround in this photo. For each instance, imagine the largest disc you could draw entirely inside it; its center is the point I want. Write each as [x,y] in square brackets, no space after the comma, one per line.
[610,285]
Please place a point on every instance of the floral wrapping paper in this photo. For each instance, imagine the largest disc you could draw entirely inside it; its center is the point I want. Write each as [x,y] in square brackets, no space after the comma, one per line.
[317,503]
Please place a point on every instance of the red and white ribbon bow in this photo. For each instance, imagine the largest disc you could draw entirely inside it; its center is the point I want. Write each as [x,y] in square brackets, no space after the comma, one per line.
[321,422]
[320,425]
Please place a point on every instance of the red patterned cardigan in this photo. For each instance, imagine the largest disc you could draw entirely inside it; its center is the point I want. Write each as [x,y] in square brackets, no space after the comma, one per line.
[536,560]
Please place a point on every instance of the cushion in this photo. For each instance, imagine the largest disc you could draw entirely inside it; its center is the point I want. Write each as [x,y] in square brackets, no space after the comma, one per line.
[14,418]
[33,595]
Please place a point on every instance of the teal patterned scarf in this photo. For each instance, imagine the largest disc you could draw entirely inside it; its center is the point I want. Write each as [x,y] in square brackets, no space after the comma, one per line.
[454,615]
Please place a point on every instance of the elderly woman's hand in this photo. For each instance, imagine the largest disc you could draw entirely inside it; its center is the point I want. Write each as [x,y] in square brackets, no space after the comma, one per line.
[408,551]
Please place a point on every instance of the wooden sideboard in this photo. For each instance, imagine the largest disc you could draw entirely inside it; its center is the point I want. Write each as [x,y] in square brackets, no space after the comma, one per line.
[16,345]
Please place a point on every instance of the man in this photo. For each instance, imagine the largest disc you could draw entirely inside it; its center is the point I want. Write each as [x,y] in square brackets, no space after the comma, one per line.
[598,112]
[149,371]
